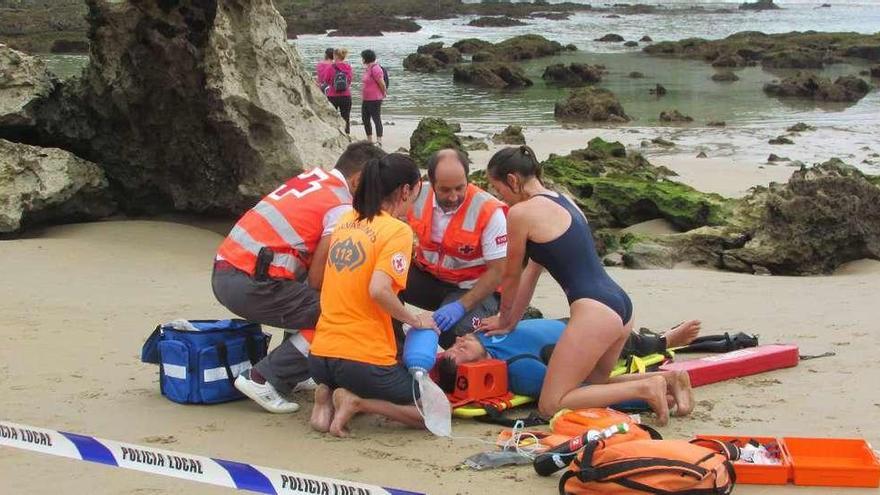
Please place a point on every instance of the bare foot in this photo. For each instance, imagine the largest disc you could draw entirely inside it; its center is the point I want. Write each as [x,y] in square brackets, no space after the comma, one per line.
[680,386]
[683,334]
[322,413]
[655,396]
[346,406]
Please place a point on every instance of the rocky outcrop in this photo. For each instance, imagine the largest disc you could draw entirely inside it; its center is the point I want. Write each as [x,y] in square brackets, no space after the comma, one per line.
[649,255]
[631,44]
[469,46]
[716,123]
[48,185]
[353,20]
[674,116]
[658,90]
[503,21]
[36,26]
[511,134]
[553,16]
[646,39]
[780,140]
[812,86]
[23,79]
[789,50]
[526,47]
[610,38]
[431,58]
[572,75]
[491,75]
[616,189]
[432,134]
[725,76]
[198,107]
[636,75]
[801,127]
[590,104]
[759,5]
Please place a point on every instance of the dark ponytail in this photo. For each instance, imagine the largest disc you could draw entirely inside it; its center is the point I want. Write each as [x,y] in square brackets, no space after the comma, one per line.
[520,160]
[380,179]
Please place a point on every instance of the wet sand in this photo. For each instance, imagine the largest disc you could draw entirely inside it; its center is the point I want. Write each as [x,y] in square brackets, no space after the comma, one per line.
[79,300]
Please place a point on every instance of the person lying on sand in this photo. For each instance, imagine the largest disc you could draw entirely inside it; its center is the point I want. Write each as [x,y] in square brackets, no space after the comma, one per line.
[527,350]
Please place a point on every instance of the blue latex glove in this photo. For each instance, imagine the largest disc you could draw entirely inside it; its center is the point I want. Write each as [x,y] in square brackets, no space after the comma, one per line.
[447,316]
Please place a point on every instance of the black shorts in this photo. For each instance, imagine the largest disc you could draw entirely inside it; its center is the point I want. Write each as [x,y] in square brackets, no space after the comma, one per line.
[368,381]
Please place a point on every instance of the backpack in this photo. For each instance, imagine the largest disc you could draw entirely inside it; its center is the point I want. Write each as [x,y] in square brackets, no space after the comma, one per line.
[384,76]
[199,360]
[340,80]
[652,466]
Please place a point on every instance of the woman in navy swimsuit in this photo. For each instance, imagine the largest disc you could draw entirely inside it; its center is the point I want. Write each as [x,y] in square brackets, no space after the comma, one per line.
[546,228]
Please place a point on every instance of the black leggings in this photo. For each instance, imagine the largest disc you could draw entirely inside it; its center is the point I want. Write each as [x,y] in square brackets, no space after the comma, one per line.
[343,104]
[372,110]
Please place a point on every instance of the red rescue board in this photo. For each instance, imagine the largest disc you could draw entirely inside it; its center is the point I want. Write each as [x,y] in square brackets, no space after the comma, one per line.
[742,362]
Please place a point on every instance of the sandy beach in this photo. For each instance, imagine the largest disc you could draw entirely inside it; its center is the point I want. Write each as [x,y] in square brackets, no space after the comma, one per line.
[79,300]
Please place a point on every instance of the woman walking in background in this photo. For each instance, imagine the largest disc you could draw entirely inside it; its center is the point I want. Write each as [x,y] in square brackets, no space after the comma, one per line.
[372,94]
[339,91]
[321,69]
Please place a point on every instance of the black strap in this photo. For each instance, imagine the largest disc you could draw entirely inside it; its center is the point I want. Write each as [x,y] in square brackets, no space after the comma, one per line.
[223,357]
[161,371]
[565,477]
[495,417]
[250,344]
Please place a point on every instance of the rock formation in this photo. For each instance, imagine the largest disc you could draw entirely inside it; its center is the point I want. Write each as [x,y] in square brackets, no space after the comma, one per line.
[674,116]
[759,5]
[572,74]
[725,76]
[503,21]
[610,38]
[199,107]
[590,104]
[812,86]
[432,134]
[511,134]
[23,78]
[491,75]
[48,185]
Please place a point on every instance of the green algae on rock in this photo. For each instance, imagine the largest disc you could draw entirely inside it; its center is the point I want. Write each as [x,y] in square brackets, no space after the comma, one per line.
[432,134]
[590,104]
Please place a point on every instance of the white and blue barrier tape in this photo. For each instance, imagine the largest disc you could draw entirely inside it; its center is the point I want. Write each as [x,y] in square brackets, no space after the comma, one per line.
[198,468]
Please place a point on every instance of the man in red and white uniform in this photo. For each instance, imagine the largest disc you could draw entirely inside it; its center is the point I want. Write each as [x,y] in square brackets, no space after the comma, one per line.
[461,245]
[270,267]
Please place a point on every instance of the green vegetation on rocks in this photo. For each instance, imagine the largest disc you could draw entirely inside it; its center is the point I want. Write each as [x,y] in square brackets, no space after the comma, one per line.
[432,134]
[511,134]
[794,50]
[814,87]
[491,75]
[493,21]
[572,74]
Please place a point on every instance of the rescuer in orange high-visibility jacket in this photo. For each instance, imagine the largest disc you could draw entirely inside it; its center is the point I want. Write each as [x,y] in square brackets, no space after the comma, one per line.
[270,267]
[461,245]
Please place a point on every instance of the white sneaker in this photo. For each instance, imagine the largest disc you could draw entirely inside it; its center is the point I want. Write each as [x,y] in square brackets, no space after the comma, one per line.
[265,395]
[305,386]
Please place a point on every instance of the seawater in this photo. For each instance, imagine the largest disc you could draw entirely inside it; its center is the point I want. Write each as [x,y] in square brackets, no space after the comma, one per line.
[747,111]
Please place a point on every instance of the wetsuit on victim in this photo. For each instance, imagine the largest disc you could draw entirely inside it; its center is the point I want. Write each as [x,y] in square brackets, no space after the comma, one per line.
[572,261]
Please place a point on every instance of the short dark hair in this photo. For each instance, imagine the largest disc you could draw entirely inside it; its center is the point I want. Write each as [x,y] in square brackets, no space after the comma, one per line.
[380,179]
[328,54]
[447,374]
[435,158]
[356,156]
[369,56]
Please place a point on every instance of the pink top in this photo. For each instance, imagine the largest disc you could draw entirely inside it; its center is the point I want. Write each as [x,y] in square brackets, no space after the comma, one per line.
[330,74]
[371,91]
[321,69]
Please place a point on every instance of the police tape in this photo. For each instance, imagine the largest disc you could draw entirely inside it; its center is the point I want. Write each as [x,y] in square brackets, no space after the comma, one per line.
[198,468]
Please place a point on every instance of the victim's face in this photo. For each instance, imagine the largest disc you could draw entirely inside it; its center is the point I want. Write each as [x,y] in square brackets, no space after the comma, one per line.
[466,349]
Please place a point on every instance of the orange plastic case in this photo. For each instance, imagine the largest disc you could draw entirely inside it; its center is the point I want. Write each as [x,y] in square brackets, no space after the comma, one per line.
[811,462]
[480,380]
[833,462]
[757,474]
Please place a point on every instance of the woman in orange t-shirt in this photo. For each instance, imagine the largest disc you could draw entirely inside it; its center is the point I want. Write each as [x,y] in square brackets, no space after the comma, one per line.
[354,353]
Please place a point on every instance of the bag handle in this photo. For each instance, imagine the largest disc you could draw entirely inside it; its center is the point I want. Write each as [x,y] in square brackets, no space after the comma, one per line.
[223,357]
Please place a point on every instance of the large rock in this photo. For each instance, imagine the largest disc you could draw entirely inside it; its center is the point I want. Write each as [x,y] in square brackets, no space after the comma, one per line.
[807,49]
[23,78]
[432,134]
[572,75]
[492,21]
[48,185]
[759,5]
[491,75]
[527,46]
[191,106]
[648,255]
[590,104]
[511,134]
[823,217]
[469,46]
[812,86]
[610,38]
[674,116]
[416,62]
